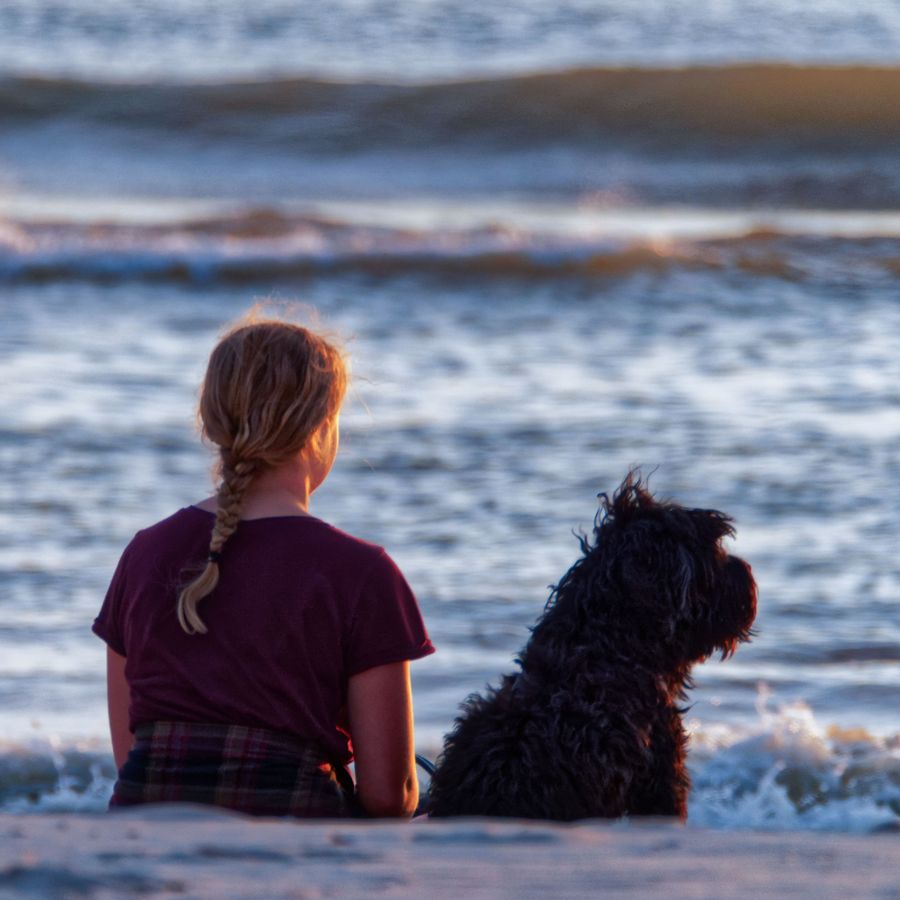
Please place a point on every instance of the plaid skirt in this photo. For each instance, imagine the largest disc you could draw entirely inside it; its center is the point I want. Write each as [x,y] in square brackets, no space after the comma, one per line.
[251,770]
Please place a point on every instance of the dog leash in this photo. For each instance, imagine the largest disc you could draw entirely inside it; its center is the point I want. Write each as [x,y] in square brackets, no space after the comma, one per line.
[429,768]
[424,763]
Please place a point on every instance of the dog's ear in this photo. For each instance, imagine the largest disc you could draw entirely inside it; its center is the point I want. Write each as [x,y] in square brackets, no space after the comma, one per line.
[654,572]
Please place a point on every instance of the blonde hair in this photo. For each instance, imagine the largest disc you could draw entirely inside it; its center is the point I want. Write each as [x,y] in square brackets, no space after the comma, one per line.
[269,387]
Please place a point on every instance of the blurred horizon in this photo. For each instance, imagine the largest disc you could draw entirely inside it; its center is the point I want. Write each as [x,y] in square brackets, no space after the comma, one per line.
[184,39]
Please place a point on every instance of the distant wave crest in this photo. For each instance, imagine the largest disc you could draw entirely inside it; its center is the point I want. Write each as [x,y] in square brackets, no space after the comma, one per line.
[265,244]
[771,101]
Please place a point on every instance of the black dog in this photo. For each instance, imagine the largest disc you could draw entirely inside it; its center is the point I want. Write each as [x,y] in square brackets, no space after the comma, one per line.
[591,726]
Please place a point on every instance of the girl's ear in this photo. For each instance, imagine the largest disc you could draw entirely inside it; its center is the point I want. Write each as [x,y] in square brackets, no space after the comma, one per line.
[324,440]
[321,449]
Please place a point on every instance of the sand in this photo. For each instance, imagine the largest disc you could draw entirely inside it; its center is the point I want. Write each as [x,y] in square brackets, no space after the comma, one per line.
[194,852]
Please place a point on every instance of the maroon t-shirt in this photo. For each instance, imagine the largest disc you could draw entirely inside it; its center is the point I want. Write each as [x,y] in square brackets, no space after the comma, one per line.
[299,608]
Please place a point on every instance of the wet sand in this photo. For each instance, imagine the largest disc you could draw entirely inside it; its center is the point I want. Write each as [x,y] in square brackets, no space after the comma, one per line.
[192,852]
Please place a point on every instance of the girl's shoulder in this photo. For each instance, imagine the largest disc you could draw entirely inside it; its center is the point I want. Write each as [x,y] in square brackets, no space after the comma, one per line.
[185,521]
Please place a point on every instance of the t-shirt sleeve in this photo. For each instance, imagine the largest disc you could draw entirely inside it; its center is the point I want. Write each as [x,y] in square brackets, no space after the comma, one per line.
[387,625]
[109,622]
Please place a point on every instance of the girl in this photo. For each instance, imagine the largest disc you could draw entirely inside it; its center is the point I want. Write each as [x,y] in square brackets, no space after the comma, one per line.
[249,642]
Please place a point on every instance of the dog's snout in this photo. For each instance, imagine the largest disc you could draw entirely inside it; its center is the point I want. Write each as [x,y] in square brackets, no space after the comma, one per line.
[737,562]
[745,584]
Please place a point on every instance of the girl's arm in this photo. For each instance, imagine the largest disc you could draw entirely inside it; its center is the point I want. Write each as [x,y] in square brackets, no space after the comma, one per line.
[117,698]
[379,706]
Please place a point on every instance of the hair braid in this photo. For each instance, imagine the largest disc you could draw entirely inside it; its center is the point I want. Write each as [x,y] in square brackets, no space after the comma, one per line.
[236,479]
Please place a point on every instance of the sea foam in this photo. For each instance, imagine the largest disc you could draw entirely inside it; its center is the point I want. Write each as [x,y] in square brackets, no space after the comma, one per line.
[787,773]
[790,772]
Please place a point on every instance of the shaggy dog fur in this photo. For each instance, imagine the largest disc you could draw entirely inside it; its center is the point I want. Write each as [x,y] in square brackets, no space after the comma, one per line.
[591,725]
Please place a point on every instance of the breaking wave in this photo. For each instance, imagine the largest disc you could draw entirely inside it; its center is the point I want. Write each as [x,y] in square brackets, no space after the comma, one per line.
[267,244]
[788,773]
[50,776]
[792,773]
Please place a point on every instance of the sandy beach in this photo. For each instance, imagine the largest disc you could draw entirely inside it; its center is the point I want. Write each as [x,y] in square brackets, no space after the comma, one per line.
[192,852]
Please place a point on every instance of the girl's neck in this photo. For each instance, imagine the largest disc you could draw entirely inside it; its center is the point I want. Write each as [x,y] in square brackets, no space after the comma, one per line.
[282,491]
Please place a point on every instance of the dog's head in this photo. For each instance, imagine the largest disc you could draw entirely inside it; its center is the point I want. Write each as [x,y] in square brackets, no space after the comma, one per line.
[657,573]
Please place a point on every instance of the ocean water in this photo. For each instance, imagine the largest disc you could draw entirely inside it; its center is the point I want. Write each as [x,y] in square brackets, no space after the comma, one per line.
[558,243]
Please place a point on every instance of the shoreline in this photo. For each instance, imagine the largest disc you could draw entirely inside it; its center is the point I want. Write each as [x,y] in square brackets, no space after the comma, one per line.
[182,850]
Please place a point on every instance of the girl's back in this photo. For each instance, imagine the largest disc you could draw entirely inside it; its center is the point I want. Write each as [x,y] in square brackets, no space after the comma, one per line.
[300,607]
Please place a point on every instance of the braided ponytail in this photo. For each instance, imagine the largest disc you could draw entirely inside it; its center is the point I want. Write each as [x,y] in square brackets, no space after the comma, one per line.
[269,386]
[235,481]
